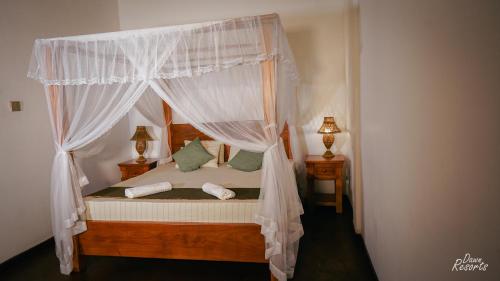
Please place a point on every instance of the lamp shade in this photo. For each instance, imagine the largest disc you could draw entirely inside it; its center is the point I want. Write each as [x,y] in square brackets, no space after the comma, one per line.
[329,126]
[141,134]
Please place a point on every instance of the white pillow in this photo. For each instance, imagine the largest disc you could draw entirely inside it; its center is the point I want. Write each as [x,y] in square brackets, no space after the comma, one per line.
[214,148]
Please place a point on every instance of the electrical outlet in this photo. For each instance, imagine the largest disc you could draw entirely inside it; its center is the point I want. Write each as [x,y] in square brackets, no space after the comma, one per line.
[15,106]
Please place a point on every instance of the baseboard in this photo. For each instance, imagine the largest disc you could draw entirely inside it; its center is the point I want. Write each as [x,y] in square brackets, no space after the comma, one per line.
[360,237]
[20,257]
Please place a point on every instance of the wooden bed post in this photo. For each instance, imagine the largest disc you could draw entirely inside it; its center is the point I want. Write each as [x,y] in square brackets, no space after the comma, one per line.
[77,259]
[54,103]
[269,88]
[167,111]
[268,81]
[53,98]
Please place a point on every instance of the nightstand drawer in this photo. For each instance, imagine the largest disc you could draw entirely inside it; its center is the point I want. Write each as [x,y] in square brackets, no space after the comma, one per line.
[130,169]
[324,171]
[130,173]
[135,172]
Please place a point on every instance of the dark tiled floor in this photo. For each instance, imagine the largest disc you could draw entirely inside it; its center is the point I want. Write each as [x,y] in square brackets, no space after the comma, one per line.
[329,251]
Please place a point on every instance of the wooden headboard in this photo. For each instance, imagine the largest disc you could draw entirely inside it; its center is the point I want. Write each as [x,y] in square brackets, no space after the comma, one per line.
[177,133]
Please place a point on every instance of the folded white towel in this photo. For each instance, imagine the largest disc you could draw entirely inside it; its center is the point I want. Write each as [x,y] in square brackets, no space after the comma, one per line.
[149,189]
[218,191]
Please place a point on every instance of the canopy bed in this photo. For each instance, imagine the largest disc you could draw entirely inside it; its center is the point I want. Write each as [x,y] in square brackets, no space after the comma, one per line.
[233,80]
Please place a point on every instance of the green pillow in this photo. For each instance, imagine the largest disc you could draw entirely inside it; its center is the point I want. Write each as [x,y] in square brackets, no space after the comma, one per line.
[247,161]
[192,156]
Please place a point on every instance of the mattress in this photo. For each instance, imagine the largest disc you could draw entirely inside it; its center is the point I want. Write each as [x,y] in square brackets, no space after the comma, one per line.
[109,205]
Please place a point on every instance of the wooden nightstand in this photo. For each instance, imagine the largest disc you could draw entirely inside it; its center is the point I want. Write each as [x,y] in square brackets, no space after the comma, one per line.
[132,169]
[319,168]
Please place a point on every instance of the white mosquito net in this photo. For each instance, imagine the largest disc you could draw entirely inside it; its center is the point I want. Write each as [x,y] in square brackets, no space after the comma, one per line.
[233,80]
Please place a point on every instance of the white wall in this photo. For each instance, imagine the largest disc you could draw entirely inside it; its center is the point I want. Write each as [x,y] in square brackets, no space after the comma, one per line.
[315,30]
[430,100]
[26,146]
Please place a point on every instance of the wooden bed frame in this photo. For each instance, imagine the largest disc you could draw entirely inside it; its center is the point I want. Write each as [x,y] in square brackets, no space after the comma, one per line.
[237,242]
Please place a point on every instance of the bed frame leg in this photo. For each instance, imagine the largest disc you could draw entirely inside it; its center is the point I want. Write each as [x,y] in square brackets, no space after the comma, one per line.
[77,259]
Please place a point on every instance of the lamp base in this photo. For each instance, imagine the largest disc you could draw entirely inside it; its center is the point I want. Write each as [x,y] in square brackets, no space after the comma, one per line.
[328,154]
[141,160]
[328,140]
[141,146]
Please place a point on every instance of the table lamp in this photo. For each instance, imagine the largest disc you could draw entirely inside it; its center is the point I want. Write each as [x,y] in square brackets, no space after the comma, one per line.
[328,129]
[141,138]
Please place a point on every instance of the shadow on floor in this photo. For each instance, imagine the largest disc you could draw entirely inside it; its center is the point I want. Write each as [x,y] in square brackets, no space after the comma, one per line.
[329,250]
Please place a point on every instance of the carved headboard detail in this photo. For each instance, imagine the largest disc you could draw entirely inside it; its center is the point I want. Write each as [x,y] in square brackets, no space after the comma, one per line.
[177,133]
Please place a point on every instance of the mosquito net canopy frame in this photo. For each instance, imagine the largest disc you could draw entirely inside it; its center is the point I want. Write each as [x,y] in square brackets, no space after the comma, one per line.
[233,80]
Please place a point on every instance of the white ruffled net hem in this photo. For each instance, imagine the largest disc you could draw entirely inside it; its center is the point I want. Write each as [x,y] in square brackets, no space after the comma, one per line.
[160,75]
